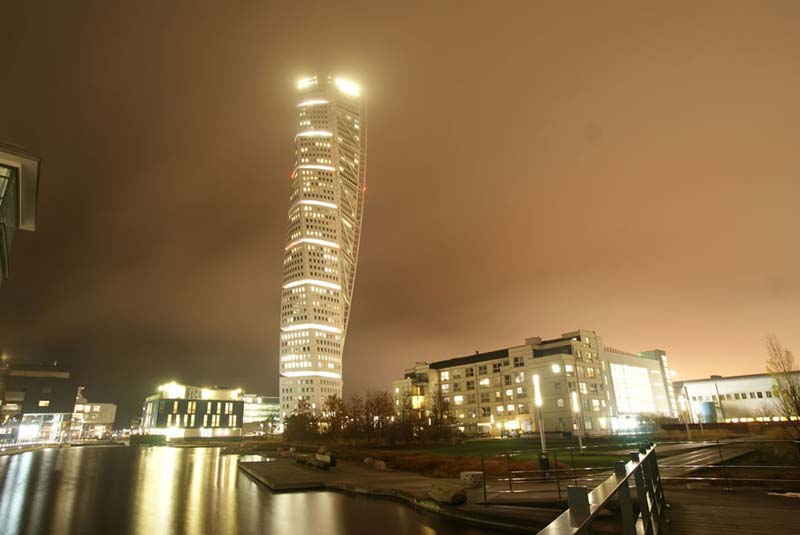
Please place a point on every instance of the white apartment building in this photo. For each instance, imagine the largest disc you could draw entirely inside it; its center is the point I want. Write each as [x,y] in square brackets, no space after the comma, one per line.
[578,385]
[326,204]
[739,398]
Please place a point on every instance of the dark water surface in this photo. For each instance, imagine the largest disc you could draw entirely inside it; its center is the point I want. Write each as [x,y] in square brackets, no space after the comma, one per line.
[162,491]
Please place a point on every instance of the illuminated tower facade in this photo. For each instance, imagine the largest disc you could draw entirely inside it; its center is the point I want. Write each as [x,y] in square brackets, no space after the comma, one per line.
[325,211]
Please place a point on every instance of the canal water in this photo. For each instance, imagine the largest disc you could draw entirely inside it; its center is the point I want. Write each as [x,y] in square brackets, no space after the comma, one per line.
[192,491]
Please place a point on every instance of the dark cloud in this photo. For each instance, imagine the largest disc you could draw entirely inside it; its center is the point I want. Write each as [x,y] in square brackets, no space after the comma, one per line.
[533,168]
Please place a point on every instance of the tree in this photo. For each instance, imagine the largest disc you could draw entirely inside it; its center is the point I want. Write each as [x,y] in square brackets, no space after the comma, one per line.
[334,416]
[302,424]
[783,367]
[379,409]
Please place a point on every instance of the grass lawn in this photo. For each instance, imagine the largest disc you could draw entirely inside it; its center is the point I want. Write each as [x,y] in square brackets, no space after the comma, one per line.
[528,448]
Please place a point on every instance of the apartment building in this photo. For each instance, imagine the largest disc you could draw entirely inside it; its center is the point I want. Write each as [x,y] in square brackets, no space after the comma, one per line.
[571,383]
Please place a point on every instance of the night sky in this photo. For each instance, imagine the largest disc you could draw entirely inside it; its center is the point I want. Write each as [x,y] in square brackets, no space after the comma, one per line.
[533,168]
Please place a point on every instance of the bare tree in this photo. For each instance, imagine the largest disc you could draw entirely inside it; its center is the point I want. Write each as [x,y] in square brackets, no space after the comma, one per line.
[782,365]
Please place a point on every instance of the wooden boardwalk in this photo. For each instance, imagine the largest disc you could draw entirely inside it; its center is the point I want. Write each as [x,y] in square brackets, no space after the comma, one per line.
[713,511]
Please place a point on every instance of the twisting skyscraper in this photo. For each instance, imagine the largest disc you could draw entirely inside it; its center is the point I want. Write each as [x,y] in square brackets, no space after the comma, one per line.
[325,208]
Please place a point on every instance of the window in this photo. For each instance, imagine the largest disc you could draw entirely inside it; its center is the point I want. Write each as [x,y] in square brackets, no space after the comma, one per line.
[470,385]
[519,362]
[519,377]
[456,387]
[522,408]
[507,380]
[768,393]
[457,374]
[469,372]
[736,395]
[759,394]
[510,408]
[484,397]
[498,396]
[595,405]
[486,411]
[521,393]
[509,394]
[44,402]
[560,402]
[445,376]
[744,395]
[458,400]
[496,367]
[445,387]
[484,382]
[584,390]
[752,395]
[482,370]
[471,399]
[569,369]
[499,409]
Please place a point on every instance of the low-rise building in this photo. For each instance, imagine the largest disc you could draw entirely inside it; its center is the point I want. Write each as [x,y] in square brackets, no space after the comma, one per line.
[571,384]
[739,398]
[92,420]
[262,414]
[37,403]
[184,411]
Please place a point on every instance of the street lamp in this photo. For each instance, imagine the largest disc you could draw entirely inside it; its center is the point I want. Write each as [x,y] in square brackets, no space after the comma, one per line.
[576,409]
[537,399]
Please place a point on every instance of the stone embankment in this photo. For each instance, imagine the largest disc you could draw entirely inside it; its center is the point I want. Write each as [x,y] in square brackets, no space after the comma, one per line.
[446,497]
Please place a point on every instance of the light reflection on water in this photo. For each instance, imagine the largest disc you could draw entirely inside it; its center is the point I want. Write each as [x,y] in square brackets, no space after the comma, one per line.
[181,491]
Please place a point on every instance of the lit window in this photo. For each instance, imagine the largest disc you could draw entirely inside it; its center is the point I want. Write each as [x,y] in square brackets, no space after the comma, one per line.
[44,402]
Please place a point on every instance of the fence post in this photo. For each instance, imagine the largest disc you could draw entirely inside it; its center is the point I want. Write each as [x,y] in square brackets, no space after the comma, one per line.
[641,494]
[625,505]
[728,487]
[483,470]
[508,469]
[558,482]
[578,501]
[572,464]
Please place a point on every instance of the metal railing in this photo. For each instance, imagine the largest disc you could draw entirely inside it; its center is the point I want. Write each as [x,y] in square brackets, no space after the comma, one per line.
[739,462]
[647,518]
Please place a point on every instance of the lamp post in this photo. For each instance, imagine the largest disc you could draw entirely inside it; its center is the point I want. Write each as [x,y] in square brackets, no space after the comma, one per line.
[576,409]
[684,412]
[537,399]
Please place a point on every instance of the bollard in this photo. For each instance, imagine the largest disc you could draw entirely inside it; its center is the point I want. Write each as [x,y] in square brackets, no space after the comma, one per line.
[578,501]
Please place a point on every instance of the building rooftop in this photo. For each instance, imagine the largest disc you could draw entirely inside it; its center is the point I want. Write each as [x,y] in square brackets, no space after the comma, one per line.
[470,359]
